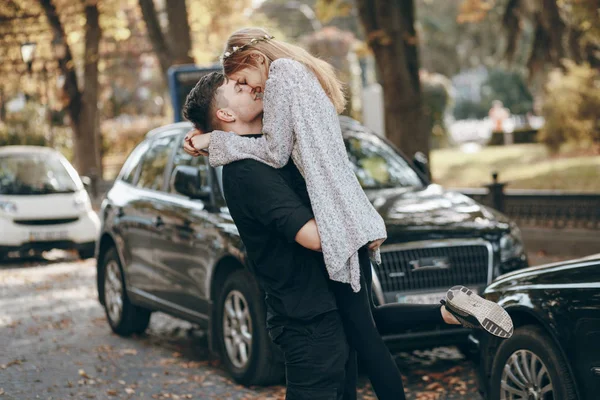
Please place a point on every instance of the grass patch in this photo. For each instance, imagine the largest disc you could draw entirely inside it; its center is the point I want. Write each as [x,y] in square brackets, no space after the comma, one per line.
[524,166]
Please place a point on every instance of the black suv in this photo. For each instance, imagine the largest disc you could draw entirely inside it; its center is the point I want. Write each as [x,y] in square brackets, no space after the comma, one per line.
[168,243]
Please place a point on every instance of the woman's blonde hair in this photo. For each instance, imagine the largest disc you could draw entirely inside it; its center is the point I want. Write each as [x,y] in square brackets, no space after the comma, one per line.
[240,52]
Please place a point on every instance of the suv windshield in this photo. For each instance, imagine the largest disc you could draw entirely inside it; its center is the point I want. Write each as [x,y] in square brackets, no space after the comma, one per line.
[30,174]
[377,165]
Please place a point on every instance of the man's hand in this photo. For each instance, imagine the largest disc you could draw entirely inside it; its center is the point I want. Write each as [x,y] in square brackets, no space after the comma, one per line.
[376,244]
[189,143]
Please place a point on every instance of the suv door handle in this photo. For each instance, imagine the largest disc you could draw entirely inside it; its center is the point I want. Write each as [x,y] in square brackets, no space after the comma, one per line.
[158,222]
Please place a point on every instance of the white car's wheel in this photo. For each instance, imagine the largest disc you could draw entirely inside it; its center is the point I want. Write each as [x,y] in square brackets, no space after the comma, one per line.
[84,254]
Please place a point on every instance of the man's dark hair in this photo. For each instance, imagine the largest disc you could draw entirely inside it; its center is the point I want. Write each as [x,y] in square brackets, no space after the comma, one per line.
[202,103]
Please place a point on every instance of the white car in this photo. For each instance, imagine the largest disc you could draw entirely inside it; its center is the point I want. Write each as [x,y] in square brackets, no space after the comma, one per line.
[43,203]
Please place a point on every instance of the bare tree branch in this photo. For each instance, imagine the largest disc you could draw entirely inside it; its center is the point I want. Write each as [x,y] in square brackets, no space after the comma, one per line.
[66,64]
[156,35]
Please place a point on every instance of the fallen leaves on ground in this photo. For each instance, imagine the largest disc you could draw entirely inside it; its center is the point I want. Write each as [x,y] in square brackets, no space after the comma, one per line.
[10,363]
[14,323]
[83,374]
[428,396]
[172,396]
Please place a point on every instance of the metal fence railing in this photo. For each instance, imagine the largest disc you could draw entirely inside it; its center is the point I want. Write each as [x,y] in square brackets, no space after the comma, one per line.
[541,208]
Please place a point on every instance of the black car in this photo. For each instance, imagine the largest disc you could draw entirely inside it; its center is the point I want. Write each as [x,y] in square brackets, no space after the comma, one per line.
[554,353]
[168,243]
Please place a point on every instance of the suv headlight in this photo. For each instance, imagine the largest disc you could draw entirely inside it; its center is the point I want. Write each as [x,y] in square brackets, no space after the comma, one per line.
[8,207]
[511,244]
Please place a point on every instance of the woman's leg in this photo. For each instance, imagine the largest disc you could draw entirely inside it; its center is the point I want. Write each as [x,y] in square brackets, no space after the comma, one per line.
[364,337]
[394,318]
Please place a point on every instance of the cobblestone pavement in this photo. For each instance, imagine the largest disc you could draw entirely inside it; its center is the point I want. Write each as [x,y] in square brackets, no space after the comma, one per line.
[55,343]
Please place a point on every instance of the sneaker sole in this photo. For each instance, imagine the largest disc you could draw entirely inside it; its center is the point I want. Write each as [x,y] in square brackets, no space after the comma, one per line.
[492,317]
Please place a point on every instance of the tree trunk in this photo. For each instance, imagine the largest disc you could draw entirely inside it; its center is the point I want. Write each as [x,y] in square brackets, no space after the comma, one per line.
[390,31]
[159,44]
[2,106]
[82,105]
[65,63]
[179,32]
[88,132]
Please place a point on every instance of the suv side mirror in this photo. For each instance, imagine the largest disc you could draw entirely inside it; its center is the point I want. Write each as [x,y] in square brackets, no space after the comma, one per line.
[422,164]
[187,181]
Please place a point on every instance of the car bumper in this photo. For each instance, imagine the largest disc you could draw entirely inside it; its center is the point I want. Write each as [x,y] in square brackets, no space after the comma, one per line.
[50,245]
[74,235]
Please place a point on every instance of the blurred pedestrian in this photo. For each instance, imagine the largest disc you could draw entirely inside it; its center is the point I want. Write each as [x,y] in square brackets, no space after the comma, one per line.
[499,116]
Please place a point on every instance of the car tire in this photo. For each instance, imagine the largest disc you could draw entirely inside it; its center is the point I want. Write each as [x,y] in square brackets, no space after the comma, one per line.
[85,254]
[246,333]
[527,342]
[467,350]
[123,317]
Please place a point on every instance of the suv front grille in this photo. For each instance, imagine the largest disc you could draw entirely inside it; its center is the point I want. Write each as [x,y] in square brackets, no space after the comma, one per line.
[434,265]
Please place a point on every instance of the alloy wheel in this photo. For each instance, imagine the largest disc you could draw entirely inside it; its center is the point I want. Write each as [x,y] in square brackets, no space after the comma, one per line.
[237,329]
[525,376]
[113,291]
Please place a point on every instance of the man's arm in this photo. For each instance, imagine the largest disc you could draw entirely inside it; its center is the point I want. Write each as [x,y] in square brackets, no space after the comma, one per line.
[308,236]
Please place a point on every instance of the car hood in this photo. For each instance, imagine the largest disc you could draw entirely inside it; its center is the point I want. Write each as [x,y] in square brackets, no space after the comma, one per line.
[48,206]
[563,273]
[434,208]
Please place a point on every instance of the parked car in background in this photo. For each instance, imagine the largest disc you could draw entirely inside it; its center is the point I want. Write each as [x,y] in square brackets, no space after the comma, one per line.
[43,203]
[554,352]
[168,243]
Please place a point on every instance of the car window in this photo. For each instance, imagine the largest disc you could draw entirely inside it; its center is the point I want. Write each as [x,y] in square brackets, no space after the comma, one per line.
[377,165]
[182,158]
[133,161]
[154,163]
[31,174]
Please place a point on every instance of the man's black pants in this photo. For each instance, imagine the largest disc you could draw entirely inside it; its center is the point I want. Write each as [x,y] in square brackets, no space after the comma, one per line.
[319,362]
[316,357]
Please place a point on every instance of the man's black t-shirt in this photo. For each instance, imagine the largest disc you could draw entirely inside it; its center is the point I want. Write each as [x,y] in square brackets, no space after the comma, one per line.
[269,206]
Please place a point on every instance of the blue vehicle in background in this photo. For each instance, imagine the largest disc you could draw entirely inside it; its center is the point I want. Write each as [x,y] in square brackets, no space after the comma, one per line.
[182,79]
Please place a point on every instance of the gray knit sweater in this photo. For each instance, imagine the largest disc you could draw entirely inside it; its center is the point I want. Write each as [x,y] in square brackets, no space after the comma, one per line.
[300,121]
